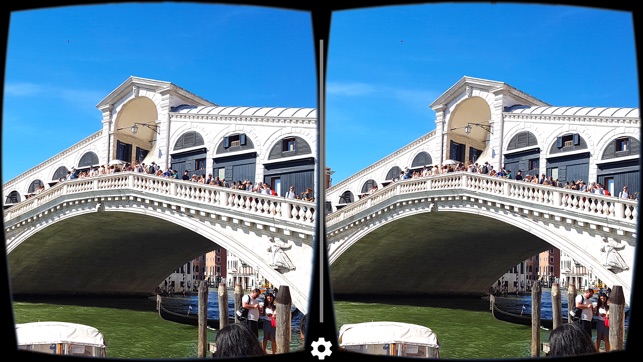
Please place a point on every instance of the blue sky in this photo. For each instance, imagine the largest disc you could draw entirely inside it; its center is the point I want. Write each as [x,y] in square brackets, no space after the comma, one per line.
[385,66]
[62,62]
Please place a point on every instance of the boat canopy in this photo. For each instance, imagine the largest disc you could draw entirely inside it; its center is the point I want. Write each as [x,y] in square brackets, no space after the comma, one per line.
[35,333]
[386,332]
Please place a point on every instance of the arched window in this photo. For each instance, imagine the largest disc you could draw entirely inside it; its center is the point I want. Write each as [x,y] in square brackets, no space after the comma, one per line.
[346,197]
[288,147]
[394,172]
[622,146]
[567,143]
[61,172]
[189,140]
[89,159]
[421,159]
[34,186]
[12,198]
[522,140]
[368,185]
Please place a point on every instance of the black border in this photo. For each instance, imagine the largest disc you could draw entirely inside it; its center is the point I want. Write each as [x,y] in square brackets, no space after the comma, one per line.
[321,311]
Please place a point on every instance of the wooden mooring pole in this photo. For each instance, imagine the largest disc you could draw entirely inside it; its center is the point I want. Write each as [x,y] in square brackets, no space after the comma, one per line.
[616,315]
[535,320]
[202,345]
[284,319]
[571,300]
[238,294]
[223,306]
[556,306]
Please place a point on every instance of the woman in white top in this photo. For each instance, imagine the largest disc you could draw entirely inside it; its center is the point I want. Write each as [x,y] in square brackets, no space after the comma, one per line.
[602,330]
[269,309]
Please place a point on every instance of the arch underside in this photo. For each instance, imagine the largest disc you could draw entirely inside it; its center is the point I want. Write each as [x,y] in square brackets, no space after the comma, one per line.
[112,253]
[447,253]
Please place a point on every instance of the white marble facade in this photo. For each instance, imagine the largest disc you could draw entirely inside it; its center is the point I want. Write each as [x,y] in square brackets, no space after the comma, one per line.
[165,115]
[605,141]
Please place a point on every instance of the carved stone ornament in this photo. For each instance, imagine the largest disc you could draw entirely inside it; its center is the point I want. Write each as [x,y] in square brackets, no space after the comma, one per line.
[279,260]
[612,260]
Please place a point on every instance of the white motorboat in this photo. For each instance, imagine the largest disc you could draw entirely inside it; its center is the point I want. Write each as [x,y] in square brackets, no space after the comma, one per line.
[390,339]
[61,338]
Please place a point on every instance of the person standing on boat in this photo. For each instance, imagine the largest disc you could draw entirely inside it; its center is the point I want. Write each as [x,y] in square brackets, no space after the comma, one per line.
[269,324]
[602,325]
[251,303]
[584,302]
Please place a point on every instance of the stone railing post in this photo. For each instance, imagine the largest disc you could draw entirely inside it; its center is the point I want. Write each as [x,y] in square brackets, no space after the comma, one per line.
[463,181]
[619,210]
[223,198]
[558,197]
[130,180]
[173,188]
[286,209]
[506,188]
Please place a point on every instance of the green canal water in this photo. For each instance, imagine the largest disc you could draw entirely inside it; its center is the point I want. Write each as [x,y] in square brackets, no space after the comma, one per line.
[131,326]
[465,327]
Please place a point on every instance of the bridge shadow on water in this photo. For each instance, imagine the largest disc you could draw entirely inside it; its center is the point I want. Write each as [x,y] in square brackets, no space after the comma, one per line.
[447,302]
[134,303]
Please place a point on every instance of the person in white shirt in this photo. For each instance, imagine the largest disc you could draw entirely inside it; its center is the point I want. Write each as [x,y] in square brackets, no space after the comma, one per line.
[291,194]
[584,302]
[251,303]
[624,194]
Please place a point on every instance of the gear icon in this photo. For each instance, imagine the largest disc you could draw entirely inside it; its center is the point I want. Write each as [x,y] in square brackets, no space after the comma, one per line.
[323,353]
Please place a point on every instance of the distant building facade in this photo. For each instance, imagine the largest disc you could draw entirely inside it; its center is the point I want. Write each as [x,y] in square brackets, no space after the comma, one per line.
[216,267]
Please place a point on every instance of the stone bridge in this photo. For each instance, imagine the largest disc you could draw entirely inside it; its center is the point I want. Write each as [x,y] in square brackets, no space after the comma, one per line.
[456,233]
[123,233]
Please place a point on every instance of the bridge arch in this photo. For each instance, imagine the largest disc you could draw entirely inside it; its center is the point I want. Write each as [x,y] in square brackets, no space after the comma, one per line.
[158,251]
[484,242]
[440,211]
[78,214]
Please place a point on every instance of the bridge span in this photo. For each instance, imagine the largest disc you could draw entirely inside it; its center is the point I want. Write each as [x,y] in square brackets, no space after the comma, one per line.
[123,233]
[456,233]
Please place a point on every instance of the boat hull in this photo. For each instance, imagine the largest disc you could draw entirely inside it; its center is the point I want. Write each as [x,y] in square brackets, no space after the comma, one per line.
[187,319]
[525,319]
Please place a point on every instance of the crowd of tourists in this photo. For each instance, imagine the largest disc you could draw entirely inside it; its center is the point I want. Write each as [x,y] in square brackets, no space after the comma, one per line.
[155,169]
[487,169]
